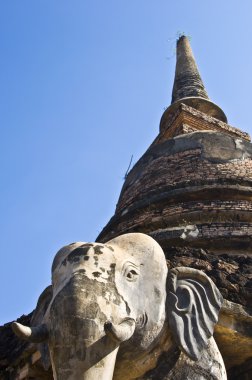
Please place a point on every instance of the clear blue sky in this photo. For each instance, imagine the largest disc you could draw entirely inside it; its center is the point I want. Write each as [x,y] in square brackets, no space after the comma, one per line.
[83,85]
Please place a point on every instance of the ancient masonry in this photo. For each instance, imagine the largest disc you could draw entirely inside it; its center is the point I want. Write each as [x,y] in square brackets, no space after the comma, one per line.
[192,192]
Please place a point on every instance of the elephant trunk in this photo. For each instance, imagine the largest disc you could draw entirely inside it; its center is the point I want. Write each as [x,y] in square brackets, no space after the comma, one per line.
[93,357]
[83,344]
[102,369]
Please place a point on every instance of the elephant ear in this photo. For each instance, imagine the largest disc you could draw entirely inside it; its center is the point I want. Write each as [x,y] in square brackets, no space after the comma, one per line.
[42,306]
[38,318]
[193,305]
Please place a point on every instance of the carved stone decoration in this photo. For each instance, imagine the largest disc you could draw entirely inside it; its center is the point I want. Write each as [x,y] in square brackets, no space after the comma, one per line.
[194,305]
[116,312]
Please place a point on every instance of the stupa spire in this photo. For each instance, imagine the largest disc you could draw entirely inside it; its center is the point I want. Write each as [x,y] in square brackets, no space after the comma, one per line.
[188,87]
[187,80]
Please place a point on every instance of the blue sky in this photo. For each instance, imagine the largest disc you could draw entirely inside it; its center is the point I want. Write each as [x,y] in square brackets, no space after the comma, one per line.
[83,85]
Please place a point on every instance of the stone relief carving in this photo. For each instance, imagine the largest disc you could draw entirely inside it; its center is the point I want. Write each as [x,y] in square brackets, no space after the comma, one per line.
[114,311]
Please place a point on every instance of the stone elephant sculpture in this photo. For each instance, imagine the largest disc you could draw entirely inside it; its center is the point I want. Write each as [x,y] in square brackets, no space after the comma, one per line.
[115,311]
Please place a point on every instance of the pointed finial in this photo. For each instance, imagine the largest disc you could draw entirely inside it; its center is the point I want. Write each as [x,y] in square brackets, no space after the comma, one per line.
[187,80]
[188,87]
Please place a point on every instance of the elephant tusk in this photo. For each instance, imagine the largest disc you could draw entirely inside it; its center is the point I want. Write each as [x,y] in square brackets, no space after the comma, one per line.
[121,332]
[35,334]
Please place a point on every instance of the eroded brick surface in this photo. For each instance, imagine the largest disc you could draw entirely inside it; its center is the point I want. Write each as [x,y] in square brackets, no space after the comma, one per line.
[180,170]
[232,275]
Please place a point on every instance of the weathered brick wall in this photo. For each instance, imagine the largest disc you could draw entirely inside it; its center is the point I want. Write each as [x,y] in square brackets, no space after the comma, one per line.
[202,179]
[178,170]
[232,275]
[204,214]
[197,120]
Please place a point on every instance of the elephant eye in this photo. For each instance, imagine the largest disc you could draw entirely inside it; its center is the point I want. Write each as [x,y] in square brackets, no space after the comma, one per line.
[132,275]
[130,271]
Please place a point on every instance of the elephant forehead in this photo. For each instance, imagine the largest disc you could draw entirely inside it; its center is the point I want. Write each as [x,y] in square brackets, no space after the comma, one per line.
[96,261]
[141,247]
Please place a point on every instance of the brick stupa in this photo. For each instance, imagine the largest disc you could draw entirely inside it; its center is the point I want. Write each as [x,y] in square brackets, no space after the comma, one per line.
[192,192]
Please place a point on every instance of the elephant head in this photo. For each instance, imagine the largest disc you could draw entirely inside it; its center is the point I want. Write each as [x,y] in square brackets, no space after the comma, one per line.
[118,296]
